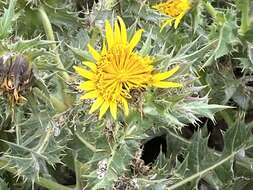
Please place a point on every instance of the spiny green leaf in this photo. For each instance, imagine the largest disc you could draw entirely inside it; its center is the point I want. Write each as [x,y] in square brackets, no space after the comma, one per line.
[6,20]
[205,161]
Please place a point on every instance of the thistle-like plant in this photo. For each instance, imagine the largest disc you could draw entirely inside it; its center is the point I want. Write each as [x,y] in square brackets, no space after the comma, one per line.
[195,136]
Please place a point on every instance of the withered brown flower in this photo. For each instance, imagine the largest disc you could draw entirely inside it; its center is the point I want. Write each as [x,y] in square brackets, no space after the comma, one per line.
[15,76]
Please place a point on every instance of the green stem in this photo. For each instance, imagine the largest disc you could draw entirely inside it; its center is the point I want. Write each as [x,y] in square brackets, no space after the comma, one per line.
[78,174]
[245,16]
[58,103]
[17,128]
[50,36]
[60,100]
[88,145]
[210,9]
[51,185]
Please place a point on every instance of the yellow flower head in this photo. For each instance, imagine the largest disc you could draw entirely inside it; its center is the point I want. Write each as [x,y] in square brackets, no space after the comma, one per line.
[175,9]
[117,70]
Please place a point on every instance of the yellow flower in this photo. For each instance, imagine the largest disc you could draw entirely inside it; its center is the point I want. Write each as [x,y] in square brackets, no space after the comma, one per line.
[175,9]
[117,70]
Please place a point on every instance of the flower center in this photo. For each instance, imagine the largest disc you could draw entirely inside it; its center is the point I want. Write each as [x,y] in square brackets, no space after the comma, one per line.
[122,76]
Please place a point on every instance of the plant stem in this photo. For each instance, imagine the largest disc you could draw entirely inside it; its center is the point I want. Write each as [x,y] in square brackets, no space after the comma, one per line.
[50,36]
[60,100]
[51,185]
[78,174]
[245,16]
[210,9]
[17,128]
[88,145]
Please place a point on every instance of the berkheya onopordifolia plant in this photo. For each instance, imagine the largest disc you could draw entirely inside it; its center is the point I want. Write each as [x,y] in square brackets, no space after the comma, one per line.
[50,131]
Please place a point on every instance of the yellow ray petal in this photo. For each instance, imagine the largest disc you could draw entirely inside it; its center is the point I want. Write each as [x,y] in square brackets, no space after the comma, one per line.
[165,75]
[103,109]
[117,35]
[103,52]
[125,106]
[88,85]
[89,95]
[109,34]
[91,65]
[84,73]
[155,6]
[167,22]
[167,84]
[123,30]
[96,104]
[113,109]
[135,40]
[94,53]
[178,19]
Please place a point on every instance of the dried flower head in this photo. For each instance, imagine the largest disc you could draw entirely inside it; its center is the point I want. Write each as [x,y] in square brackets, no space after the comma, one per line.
[117,70]
[175,9]
[138,165]
[15,76]
[125,183]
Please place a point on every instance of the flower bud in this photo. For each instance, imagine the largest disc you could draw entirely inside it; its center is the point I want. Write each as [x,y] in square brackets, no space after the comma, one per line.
[15,76]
